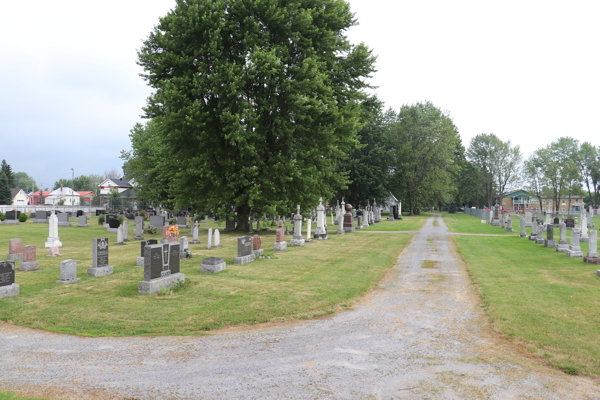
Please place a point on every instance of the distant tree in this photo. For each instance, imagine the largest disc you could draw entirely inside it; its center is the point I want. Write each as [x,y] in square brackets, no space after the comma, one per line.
[423,140]
[589,166]
[66,183]
[112,174]
[5,194]
[255,102]
[533,171]
[452,208]
[25,182]
[9,176]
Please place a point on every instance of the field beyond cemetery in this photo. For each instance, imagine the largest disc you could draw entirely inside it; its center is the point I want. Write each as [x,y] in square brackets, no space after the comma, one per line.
[305,282]
[534,295]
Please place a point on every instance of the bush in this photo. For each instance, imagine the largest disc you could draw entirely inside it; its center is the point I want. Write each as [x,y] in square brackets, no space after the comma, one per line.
[23,217]
[151,230]
[452,208]
[172,221]
[1,216]
[101,219]
[142,213]
[121,219]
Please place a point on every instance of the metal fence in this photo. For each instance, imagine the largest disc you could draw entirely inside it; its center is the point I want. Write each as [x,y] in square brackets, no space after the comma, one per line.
[33,209]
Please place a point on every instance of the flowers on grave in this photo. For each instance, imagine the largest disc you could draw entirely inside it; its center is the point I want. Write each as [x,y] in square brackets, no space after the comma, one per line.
[173,231]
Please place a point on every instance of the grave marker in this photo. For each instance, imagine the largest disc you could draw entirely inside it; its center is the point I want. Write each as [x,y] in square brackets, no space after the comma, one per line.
[82,221]
[139,261]
[195,230]
[575,249]
[15,249]
[100,265]
[244,250]
[8,287]
[321,231]
[256,250]
[41,217]
[280,243]
[161,267]
[68,272]
[217,238]
[211,265]
[209,240]
[29,262]
[139,228]
[53,238]
[63,220]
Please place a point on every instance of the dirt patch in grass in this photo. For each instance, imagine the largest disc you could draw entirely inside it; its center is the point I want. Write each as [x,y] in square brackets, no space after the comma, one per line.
[429,264]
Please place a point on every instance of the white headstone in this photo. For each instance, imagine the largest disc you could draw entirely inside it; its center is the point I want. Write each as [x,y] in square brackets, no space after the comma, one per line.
[53,238]
[210,231]
[125,230]
[217,238]
[309,229]
[120,234]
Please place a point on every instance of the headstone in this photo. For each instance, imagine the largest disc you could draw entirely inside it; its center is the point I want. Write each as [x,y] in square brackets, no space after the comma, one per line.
[41,217]
[522,227]
[280,243]
[139,228]
[337,214]
[321,231]
[297,239]
[29,262]
[209,239]
[181,222]
[539,239]
[126,230]
[244,250]
[509,227]
[593,247]
[15,249]
[377,216]
[371,216]
[53,238]
[139,261]
[556,221]
[550,242]
[584,230]
[211,265]
[562,245]
[570,222]
[534,227]
[158,221]
[528,218]
[100,265]
[8,287]
[63,220]
[183,247]
[348,225]
[256,250]
[496,220]
[217,238]
[229,225]
[574,248]
[82,221]
[195,231]
[161,267]
[120,236]
[11,218]
[68,272]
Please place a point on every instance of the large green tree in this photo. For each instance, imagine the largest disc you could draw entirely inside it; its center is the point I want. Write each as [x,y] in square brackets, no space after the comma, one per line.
[254,101]
[368,167]
[9,176]
[25,182]
[5,194]
[424,141]
[589,166]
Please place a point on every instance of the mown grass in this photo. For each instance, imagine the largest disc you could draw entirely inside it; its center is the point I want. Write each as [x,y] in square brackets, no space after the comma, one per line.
[407,223]
[540,297]
[13,396]
[465,223]
[303,282]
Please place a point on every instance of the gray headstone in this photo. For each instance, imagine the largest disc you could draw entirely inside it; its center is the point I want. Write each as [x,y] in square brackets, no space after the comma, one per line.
[68,271]
[244,246]
[99,252]
[161,260]
[63,217]
[41,215]
[145,243]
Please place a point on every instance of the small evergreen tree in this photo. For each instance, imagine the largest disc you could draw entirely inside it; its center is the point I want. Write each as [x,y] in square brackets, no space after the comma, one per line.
[452,208]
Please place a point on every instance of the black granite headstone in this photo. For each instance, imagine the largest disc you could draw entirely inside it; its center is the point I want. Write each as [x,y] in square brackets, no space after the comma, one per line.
[99,212]
[11,215]
[161,260]
[570,222]
[550,232]
[100,252]
[114,223]
[145,243]
[7,273]
[556,221]
[79,213]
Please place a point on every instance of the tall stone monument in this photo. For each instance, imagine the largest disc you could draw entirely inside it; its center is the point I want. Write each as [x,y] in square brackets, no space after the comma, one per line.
[125,230]
[209,239]
[139,228]
[562,245]
[53,238]
[348,226]
[321,231]
[308,231]
[297,239]
[575,249]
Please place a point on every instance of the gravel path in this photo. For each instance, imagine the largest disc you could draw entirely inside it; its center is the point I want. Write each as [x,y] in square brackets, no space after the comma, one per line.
[419,335]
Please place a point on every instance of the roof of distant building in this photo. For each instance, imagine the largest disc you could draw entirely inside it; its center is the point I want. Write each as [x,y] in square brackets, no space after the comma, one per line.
[14,192]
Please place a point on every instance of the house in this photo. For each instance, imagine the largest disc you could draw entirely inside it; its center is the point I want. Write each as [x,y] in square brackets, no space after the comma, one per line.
[37,198]
[88,197]
[521,200]
[127,189]
[19,197]
[70,197]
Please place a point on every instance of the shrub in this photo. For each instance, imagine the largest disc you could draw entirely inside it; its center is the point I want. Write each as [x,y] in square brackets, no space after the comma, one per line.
[23,217]
[121,219]
[172,221]
[452,208]
[150,230]
[101,219]
[1,216]
[142,213]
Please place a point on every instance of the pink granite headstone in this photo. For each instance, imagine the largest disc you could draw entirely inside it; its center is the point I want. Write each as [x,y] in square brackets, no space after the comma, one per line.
[256,242]
[15,246]
[280,235]
[29,252]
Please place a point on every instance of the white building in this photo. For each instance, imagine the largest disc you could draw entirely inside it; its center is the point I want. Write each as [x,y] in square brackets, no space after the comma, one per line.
[70,197]
[121,185]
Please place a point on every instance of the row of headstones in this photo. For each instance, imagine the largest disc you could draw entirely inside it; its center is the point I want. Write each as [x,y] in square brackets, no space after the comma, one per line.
[578,236]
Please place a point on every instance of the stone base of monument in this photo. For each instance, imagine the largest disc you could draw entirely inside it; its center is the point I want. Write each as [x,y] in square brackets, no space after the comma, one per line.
[139,261]
[140,238]
[183,226]
[365,226]
[297,242]
[11,222]
[507,229]
[340,232]
[244,260]
[81,226]
[496,222]
[258,253]
[523,235]
[194,242]
[592,260]
[390,218]
[575,253]
[532,237]
[539,241]
[66,281]
[100,271]
[321,236]
[10,290]
[211,265]
[154,286]
[562,247]
[550,243]
[349,230]
[584,239]
[113,230]
[29,266]
[40,221]
[280,246]
[64,224]
[308,240]
[15,257]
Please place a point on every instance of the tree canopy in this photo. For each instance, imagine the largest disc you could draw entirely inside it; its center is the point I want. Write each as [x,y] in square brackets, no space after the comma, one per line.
[255,102]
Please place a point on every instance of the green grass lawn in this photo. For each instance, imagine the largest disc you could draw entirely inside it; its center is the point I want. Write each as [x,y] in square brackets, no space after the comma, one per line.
[465,223]
[540,297]
[304,282]
[12,396]
[407,223]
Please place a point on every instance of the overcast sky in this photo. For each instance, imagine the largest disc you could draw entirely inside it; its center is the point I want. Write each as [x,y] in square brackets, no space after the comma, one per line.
[527,71]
